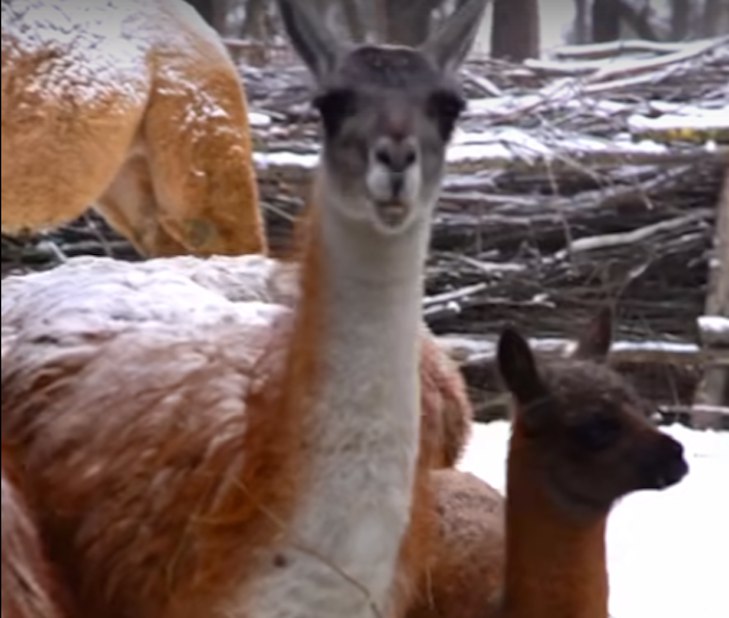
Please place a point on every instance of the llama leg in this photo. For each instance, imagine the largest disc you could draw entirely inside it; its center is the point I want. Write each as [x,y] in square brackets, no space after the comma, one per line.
[197,136]
[129,206]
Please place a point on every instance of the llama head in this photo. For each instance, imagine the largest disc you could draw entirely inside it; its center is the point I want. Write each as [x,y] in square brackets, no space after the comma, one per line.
[583,429]
[387,113]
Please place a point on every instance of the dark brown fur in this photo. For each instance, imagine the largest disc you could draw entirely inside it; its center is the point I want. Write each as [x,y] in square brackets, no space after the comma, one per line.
[580,440]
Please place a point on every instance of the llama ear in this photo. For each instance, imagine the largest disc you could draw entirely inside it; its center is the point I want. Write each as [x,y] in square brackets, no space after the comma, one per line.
[313,41]
[450,44]
[518,367]
[594,344]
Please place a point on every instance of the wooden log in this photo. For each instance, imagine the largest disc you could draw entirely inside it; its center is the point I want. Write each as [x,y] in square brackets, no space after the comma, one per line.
[714,417]
[517,152]
[695,125]
[482,350]
[714,388]
[600,51]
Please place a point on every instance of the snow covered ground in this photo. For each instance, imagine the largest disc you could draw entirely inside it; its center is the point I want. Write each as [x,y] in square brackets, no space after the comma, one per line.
[668,552]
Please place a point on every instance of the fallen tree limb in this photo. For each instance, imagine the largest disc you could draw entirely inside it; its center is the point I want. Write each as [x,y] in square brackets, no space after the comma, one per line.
[599,51]
[632,67]
[469,351]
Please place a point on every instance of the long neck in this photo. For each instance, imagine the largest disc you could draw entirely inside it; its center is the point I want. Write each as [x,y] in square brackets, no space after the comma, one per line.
[357,339]
[555,566]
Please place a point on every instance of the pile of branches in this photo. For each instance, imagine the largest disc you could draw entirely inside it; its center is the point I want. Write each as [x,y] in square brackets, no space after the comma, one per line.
[587,178]
[570,182]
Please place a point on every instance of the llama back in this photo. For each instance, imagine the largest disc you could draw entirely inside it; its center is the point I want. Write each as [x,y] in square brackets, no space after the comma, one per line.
[156,471]
[134,108]
[59,58]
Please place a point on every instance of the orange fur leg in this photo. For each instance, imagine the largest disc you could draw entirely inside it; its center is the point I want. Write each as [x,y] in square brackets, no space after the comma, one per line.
[200,157]
[130,207]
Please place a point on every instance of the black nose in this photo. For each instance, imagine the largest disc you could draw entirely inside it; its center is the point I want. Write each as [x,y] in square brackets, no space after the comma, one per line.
[667,465]
[396,154]
[676,466]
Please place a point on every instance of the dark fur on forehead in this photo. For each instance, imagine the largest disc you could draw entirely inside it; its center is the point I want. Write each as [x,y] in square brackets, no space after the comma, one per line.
[387,67]
[579,386]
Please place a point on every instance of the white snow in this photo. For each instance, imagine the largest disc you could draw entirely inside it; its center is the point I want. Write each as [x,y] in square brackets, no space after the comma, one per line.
[668,551]
[284,158]
[691,118]
[714,324]
[259,119]
[674,347]
[90,51]
[501,144]
[107,56]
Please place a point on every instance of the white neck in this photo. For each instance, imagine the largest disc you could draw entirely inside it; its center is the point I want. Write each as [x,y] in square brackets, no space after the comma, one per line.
[362,433]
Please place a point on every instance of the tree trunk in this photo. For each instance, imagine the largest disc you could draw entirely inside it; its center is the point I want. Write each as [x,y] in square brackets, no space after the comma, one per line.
[354,21]
[680,14]
[408,21]
[605,20]
[642,19]
[712,17]
[254,24]
[515,30]
[582,22]
[714,387]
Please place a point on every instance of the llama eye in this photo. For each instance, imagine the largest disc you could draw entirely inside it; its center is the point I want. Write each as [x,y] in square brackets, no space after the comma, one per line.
[335,106]
[445,107]
[597,433]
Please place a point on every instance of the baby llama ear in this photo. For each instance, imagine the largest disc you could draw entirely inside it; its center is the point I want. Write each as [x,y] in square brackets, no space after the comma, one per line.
[518,369]
[595,341]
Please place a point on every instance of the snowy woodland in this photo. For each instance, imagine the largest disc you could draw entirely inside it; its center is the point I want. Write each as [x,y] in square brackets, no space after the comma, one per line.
[590,169]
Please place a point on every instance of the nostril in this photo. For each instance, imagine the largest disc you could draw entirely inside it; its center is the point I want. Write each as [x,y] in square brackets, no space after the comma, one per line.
[382,155]
[410,157]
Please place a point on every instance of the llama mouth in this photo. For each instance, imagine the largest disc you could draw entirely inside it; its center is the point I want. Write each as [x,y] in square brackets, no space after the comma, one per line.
[391,214]
[673,474]
[669,475]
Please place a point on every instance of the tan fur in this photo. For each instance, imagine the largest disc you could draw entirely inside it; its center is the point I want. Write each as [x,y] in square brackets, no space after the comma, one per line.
[280,448]
[46,373]
[462,571]
[447,411]
[29,585]
[174,290]
[140,113]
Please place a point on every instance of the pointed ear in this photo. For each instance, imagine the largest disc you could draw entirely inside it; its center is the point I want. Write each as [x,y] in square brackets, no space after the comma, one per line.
[594,344]
[312,40]
[449,46]
[518,367]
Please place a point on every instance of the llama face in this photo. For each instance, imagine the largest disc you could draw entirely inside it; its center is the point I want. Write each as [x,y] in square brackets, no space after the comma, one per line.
[594,441]
[388,114]
[589,438]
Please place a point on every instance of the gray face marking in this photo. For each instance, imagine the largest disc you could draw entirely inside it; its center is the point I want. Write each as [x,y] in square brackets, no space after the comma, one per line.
[387,114]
